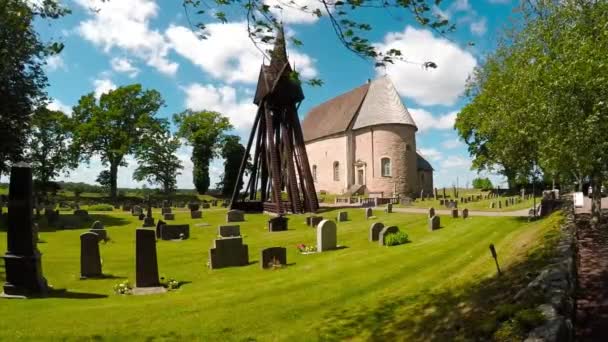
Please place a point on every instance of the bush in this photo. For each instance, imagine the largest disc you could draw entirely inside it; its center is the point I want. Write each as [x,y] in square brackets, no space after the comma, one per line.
[101,207]
[397,238]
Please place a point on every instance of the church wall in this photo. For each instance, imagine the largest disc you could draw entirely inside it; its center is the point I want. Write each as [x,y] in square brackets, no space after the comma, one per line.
[323,153]
[425,181]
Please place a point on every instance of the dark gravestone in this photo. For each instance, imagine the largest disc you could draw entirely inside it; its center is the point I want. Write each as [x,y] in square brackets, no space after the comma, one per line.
[385,232]
[465,213]
[137,210]
[441,202]
[389,208]
[146,265]
[149,220]
[175,231]
[342,216]
[196,214]
[277,224]
[168,217]
[99,229]
[22,259]
[499,204]
[313,221]
[455,213]
[193,206]
[81,213]
[327,236]
[434,223]
[235,216]
[431,212]
[205,205]
[492,205]
[142,216]
[229,231]
[374,231]
[159,227]
[165,210]
[90,261]
[272,256]
[368,213]
[228,252]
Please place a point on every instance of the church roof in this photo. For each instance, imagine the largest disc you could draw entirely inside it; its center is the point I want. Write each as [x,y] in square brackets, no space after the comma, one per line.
[373,103]
[422,163]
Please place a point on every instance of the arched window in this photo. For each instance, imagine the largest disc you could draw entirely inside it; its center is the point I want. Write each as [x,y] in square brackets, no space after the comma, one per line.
[336,171]
[385,166]
[314,173]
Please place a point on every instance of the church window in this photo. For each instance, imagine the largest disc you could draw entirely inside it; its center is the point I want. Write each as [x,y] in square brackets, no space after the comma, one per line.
[385,166]
[314,173]
[336,171]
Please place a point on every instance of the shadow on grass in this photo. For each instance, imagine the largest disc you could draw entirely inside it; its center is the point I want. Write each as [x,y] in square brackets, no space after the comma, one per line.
[104,276]
[69,221]
[469,312]
[64,293]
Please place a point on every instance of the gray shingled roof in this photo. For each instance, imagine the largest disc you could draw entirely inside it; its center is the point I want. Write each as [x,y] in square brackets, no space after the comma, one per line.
[422,163]
[373,103]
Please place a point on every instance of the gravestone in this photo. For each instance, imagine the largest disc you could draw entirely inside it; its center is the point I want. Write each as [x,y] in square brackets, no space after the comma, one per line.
[441,202]
[435,193]
[389,208]
[137,210]
[434,223]
[159,227]
[342,216]
[272,256]
[465,213]
[235,216]
[22,261]
[149,220]
[455,213]
[368,213]
[277,224]
[492,205]
[100,230]
[227,252]
[90,261]
[168,217]
[165,210]
[385,232]
[175,231]
[81,213]
[374,231]
[327,236]
[205,205]
[193,206]
[313,221]
[146,264]
[499,204]
[142,216]
[229,231]
[431,212]
[214,203]
[196,214]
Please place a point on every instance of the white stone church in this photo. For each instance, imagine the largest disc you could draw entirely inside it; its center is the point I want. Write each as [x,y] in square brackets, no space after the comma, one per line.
[364,142]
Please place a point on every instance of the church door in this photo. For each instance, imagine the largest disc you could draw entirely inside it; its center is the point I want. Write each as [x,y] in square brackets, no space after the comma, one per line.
[360,177]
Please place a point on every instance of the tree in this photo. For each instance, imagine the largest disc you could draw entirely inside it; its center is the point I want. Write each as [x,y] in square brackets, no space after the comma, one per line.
[482,183]
[158,163]
[49,145]
[104,180]
[203,130]
[22,78]
[112,126]
[232,152]
[541,98]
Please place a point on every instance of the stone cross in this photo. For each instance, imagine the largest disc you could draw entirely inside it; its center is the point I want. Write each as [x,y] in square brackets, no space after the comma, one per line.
[22,260]
[327,236]
[146,264]
[90,261]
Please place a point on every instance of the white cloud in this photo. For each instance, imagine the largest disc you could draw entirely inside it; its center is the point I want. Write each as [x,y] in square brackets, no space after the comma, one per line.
[426,121]
[290,11]
[124,65]
[440,86]
[479,27]
[455,162]
[228,53]
[452,144]
[125,25]
[55,62]
[59,106]
[103,86]
[430,153]
[223,100]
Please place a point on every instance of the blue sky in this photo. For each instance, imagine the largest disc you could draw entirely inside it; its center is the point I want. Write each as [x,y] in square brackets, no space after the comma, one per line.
[149,42]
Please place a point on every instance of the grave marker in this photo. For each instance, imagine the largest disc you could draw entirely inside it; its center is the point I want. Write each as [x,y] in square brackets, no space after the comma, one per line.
[235,216]
[374,231]
[434,223]
[90,261]
[272,256]
[327,236]
[146,264]
[385,232]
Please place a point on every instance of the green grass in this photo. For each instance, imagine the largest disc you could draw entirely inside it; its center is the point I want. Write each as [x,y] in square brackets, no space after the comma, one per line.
[482,205]
[364,291]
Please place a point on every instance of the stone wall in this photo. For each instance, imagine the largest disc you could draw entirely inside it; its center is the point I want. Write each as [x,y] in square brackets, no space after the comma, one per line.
[557,283]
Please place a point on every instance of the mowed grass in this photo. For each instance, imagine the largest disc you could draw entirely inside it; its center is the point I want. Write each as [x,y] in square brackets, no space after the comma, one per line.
[482,205]
[363,291]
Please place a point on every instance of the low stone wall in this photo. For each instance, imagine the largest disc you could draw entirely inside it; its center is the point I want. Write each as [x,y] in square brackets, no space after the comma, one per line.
[556,284]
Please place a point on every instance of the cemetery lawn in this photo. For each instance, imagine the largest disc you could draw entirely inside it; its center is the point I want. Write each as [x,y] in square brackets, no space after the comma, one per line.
[482,205]
[440,286]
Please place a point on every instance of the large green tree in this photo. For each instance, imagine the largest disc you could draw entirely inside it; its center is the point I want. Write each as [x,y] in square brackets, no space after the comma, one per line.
[204,131]
[112,126]
[540,100]
[49,145]
[22,78]
[232,152]
[158,163]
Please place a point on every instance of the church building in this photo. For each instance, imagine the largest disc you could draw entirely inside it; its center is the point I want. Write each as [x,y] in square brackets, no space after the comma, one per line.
[364,142]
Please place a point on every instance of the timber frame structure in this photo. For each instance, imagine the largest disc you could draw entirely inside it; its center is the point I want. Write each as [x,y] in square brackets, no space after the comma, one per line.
[279,160]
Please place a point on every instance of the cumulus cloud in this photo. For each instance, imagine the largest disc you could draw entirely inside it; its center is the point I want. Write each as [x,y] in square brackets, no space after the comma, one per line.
[455,162]
[430,153]
[103,86]
[55,62]
[124,65]
[125,25]
[222,99]
[59,106]
[440,86]
[228,53]
[425,120]
[451,144]
[290,11]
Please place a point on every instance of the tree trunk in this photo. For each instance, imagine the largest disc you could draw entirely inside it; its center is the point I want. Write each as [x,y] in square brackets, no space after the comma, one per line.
[596,202]
[113,178]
